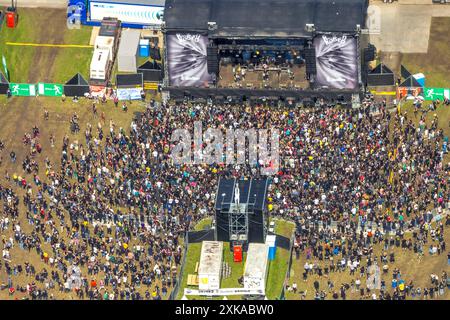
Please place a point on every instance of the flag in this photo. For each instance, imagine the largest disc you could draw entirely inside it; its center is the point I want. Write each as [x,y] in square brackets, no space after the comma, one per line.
[5,67]
[391,177]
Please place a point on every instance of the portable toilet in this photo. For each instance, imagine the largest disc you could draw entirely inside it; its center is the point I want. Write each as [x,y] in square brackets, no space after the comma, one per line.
[271,242]
[11,15]
[144,48]
[11,20]
[420,77]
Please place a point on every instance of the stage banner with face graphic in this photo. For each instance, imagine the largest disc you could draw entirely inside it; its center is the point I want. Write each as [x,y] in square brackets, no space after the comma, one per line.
[336,62]
[188,60]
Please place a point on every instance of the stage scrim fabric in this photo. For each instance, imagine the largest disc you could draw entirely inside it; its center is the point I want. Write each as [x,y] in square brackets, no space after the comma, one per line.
[187,60]
[336,62]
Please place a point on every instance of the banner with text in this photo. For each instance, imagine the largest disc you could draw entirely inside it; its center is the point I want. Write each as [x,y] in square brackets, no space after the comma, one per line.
[22,89]
[223,292]
[129,93]
[336,62]
[188,60]
[436,93]
[50,89]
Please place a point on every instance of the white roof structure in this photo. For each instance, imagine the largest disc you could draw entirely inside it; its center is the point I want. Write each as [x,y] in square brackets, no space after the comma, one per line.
[102,41]
[99,59]
[257,260]
[211,258]
[129,42]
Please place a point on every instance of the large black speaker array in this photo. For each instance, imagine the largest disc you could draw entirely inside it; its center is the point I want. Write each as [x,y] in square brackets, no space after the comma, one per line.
[310,60]
[213,59]
[369,53]
[252,192]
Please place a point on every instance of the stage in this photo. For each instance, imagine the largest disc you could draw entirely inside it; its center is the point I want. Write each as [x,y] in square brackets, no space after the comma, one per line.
[251,77]
[226,95]
[293,51]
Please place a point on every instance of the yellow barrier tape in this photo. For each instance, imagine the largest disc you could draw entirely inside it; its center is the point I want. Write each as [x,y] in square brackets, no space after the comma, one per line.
[48,45]
[384,93]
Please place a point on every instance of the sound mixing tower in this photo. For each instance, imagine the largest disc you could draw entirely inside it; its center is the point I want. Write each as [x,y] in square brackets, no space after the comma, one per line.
[241,212]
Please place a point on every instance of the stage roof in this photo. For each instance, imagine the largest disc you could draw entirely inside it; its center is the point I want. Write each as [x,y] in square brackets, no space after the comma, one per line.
[264,18]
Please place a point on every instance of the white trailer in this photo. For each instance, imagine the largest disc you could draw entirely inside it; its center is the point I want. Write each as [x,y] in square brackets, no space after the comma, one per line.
[100,64]
[210,266]
[256,266]
[105,43]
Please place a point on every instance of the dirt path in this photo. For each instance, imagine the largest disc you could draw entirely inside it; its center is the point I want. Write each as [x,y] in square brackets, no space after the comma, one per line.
[43,69]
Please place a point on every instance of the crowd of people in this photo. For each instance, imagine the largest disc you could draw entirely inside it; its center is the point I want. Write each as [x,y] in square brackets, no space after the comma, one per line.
[116,207]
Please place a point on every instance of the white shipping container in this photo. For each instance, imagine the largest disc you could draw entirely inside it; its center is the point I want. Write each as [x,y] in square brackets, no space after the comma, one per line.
[99,64]
[210,266]
[105,43]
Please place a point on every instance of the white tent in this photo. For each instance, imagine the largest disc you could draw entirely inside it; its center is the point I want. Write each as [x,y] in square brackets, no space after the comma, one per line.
[128,48]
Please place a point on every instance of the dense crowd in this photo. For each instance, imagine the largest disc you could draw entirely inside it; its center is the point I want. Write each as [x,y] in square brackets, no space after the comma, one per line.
[108,219]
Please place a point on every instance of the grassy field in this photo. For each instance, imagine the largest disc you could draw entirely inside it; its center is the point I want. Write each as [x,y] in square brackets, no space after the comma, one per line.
[279,266]
[202,224]
[45,64]
[73,60]
[435,63]
[237,269]
[19,59]
[192,257]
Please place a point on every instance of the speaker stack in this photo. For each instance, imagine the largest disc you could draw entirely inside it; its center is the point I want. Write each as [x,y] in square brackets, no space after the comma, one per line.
[213,59]
[369,53]
[310,60]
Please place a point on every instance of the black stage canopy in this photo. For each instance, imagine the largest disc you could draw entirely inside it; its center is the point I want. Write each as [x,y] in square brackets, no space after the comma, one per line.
[264,18]
[76,86]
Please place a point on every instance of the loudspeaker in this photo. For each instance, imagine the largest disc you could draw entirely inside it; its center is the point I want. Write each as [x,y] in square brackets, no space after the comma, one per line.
[310,60]
[369,53]
[256,227]
[222,226]
[213,59]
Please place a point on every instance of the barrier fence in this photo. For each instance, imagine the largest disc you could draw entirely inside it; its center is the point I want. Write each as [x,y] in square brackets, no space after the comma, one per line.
[176,289]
